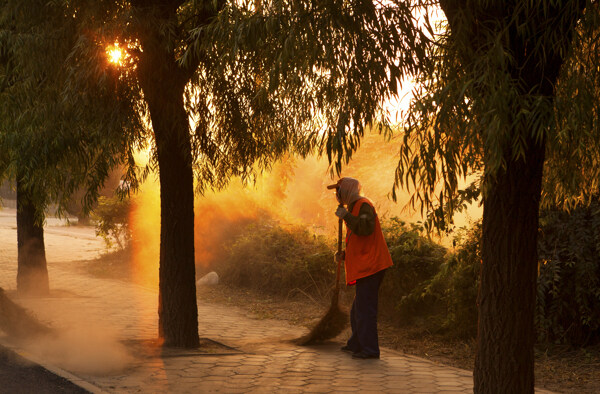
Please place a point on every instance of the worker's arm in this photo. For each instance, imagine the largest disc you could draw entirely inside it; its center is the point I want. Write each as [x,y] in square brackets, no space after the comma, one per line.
[364,223]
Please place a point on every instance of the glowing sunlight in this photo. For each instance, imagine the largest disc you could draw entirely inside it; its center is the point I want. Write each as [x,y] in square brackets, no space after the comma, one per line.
[115,54]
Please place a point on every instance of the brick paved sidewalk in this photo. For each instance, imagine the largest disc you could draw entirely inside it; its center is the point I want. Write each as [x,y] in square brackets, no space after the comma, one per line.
[100,314]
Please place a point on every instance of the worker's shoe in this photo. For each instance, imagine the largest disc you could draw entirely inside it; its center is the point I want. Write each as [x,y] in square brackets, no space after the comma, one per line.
[347,349]
[364,356]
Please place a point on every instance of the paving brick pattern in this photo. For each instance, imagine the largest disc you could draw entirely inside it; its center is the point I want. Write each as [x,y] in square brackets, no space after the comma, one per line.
[266,360]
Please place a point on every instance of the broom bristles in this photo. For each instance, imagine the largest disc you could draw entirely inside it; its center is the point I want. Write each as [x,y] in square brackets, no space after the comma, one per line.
[330,326]
[335,320]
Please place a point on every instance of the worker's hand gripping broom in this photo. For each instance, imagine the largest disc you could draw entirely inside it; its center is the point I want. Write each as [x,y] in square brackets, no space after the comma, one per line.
[335,320]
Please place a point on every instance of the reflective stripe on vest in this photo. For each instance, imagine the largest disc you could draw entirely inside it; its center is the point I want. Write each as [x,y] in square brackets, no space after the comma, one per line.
[365,255]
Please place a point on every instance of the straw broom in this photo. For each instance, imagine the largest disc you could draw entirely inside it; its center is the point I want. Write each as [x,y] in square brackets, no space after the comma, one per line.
[335,320]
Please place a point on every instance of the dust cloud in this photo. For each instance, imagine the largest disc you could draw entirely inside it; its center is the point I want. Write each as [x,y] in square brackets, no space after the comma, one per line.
[293,192]
[86,349]
[83,348]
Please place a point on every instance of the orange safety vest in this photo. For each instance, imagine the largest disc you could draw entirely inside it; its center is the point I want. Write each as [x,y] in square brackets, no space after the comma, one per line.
[365,255]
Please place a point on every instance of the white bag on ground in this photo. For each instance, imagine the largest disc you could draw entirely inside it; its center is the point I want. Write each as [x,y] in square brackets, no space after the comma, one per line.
[210,279]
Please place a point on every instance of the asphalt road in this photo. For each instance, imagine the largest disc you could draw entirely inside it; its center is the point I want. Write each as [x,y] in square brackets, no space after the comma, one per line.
[18,375]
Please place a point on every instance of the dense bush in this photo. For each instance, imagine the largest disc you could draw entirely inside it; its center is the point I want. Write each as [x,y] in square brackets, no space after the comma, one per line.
[416,259]
[445,299]
[279,260]
[568,293]
[461,273]
[568,297]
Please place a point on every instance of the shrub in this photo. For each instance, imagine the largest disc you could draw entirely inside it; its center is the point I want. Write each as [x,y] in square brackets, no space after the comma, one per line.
[429,286]
[279,260]
[462,269]
[416,259]
[456,284]
[568,297]
[568,286]
[111,218]
[444,300]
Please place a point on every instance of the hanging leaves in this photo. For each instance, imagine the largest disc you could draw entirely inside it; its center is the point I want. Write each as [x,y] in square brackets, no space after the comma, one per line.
[322,71]
[477,107]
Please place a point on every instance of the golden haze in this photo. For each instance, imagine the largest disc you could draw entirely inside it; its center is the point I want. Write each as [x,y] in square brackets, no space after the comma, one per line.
[293,192]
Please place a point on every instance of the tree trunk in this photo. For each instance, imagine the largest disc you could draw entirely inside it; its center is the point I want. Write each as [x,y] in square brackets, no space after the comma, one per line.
[506,334]
[178,312]
[32,271]
[163,83]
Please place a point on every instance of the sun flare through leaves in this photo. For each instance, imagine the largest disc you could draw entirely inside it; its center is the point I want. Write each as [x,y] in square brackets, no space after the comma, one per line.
[115,54]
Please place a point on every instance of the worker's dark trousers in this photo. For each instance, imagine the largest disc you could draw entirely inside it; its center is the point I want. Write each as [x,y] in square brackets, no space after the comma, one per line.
[363,316]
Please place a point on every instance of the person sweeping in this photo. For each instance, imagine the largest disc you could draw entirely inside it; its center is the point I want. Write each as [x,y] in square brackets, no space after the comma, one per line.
[366,259]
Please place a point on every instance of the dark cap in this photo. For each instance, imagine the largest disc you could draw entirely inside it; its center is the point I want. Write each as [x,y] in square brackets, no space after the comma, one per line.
[335,185]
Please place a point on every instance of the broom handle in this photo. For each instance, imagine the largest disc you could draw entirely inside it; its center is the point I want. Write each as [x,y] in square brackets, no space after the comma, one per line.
[339,263]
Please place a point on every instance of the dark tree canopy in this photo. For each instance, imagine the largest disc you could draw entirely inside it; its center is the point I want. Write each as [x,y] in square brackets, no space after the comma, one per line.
[465,98]
[312,74]
[263,77]
[57,136]
[572,173]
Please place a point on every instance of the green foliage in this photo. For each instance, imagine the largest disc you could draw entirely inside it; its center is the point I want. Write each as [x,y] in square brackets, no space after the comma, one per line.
[111,217]
[423,283]
[313,73]
[572,174]
[429,285]
[461,273]
[568,287]
[568,294]
[416,259]
[268,257]
[55,138]
[442,298]
[279,260]
[476,109]
[264,77]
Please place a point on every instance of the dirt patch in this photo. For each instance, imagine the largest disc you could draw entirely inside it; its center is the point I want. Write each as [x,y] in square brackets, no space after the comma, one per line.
[294,309]
[569,370]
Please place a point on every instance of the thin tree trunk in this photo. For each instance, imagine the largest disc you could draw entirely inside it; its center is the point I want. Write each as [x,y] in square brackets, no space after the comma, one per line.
[32,271]
[163,85]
